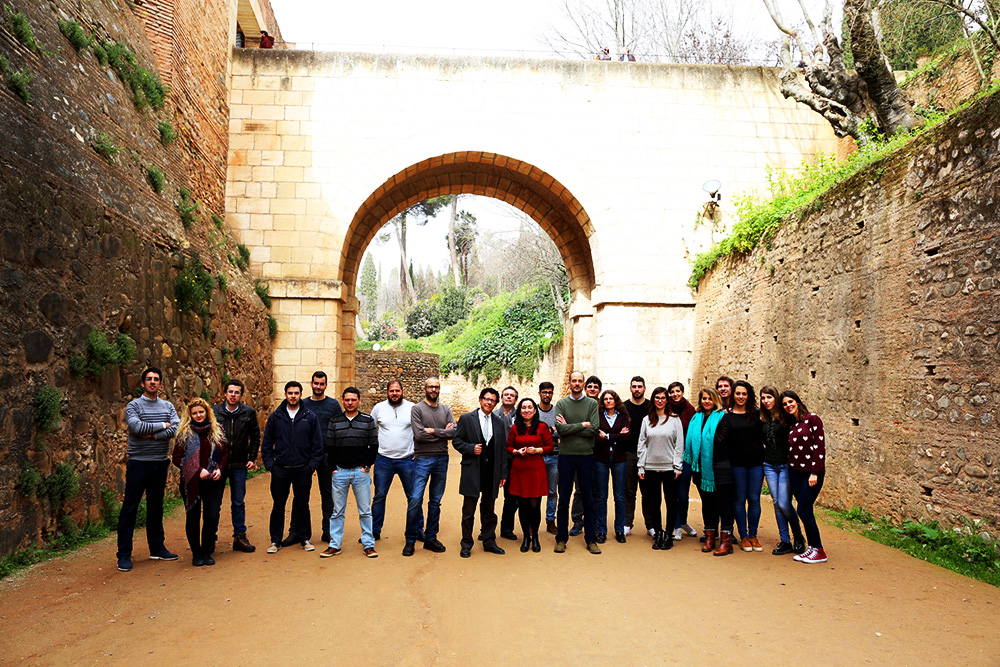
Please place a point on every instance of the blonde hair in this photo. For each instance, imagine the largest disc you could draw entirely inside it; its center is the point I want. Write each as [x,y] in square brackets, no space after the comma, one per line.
[215,435]
[714,395]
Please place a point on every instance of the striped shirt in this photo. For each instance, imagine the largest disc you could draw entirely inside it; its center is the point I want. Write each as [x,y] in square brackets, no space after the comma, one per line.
[146,417]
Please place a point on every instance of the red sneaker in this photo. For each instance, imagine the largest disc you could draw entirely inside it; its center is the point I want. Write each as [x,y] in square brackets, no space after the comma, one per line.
[814,556]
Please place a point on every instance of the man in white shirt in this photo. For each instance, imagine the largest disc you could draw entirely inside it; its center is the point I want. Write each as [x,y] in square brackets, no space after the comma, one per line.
[395,457]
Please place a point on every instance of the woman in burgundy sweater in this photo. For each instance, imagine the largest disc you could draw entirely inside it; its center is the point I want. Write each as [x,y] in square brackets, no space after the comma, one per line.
[806,469]
[527,442]
[201,454]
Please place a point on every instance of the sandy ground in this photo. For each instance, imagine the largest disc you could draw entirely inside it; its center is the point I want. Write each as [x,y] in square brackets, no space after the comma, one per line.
[630,605]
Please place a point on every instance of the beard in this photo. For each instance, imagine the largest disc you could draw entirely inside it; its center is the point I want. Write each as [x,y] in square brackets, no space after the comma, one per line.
[394,403]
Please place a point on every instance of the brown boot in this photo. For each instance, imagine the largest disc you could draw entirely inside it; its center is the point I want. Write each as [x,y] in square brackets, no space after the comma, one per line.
[725,544]
[241,543]
[550,527]
[709,541]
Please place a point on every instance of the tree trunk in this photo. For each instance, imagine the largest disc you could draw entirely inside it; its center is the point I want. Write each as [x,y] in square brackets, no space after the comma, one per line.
[892,111]
[455,270]
[405,283]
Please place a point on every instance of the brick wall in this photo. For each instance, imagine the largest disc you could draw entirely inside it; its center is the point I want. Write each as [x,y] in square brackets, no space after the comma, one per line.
[374,369]
[881,311]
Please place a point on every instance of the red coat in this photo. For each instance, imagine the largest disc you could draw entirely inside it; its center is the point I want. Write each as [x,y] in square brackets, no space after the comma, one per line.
[528,478]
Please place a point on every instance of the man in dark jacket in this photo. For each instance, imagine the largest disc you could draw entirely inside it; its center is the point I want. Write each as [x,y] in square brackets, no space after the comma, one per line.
[352,444]
[292,449]
[481,437]
[239,423]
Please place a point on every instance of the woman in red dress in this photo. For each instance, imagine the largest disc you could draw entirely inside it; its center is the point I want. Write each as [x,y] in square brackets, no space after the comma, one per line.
[527,442]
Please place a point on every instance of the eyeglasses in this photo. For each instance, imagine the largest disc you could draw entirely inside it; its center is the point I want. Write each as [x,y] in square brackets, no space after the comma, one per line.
[488,400]
[432,386]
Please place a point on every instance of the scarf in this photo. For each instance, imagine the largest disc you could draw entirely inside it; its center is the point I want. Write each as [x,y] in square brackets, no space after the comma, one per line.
[191,463]
[699,447]
[684,410]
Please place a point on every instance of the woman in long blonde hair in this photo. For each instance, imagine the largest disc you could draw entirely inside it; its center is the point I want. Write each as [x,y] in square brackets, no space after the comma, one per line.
[200,452]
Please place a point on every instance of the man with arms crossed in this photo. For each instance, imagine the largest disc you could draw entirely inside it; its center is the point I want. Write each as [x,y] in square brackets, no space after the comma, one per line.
[577,420]
[239,423]
[433,426]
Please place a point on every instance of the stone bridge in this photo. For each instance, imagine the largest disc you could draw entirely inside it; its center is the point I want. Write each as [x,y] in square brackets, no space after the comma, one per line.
[608,158]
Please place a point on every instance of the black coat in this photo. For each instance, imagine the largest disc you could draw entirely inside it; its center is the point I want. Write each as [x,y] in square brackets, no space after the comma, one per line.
[467,436]
[242,433]
[292,445]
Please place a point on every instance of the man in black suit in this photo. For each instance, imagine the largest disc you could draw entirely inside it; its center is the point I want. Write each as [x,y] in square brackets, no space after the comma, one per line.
[481,437]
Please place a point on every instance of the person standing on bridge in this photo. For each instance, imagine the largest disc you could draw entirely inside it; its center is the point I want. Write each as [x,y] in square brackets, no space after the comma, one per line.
[395,457]
[325,408]
[627,56]
[433,426]
[242,430]
[266,41]
[806,469]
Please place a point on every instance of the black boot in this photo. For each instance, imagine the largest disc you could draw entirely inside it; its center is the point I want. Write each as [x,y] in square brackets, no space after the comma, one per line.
[799,544]
[536,546]
[525,543]
[658,539]
[668,542]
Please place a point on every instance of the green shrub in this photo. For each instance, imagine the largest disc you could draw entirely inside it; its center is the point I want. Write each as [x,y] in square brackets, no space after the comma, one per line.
[218,222]
[110,508]
[272,326]
[156,178]
[439,312]
[19,82]
[20,26]
[187,208]
[61,485]
[29,481]
[193,287]
[241,260]
[76,35]
[104,145]
[223,282]
[263,291]
[167,134]
[102,354]
[146,87]
[99,52]
[47,404]
[237,353]
[383,329]
[411,346]
[206,329]
[206,395]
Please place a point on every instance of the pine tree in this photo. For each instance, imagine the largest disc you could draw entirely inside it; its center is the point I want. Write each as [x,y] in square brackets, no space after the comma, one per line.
[368,290]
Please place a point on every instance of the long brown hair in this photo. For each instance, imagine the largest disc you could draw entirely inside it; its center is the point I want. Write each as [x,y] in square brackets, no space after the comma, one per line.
[776,413]
[215,435]
[801,411]
[654,419]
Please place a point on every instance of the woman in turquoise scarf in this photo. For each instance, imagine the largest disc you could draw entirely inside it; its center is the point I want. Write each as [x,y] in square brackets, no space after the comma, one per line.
[698,452]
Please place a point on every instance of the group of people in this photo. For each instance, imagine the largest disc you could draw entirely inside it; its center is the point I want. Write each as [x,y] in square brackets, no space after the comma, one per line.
[625,57]
[529,449]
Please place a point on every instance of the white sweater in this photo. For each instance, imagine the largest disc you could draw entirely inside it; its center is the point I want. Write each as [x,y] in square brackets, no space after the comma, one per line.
[661,447]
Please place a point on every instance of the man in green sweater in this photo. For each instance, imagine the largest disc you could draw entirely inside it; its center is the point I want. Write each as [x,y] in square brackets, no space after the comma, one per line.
[577,421]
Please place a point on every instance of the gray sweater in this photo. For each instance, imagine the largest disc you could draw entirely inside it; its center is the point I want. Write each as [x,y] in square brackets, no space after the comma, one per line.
[661,447]
[423,416]
[146,417]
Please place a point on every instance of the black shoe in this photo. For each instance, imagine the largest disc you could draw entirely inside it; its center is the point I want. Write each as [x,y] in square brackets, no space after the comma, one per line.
[667,543]
[782,549]
[197,561]
[408,549]
[163,554]
[293,539]
[536,546]
[658,540]
[602,538]
[525,544]
[575,530]
[799,546]
[435,546]
[465,553]
[208,560]
[493,549]
[508,535]
[124,563]
[620,537]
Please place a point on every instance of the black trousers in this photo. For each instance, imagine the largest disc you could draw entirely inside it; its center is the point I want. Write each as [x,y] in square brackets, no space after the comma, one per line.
[324,475]
[655,482]
[487,519]
[717,507]
[299,482]
[201,537]
[510,506]
[149,478]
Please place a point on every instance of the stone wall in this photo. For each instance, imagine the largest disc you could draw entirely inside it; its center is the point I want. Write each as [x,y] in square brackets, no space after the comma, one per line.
[374,369]
[86,243]
[881,307]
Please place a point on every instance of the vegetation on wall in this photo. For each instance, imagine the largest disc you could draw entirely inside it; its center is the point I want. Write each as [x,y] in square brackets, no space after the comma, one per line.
[101,355]
[17,80]
[146,87]
[156,178]
[20,26]
[187,208]
[76,35]
[167,133]
[47,406]
[193,287]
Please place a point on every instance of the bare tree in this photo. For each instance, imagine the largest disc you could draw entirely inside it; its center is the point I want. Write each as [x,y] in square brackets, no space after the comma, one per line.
[980,13]
[590,25]
[843,97]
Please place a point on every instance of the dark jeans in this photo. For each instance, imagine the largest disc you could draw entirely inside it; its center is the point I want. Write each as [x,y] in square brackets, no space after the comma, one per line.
[324,475]
[143,477]
[201,538]
[747,483]
[717,507]
[631,487]
[581,468]
[683,497]
[654,481]
[432,472]
[237,479]
[805,497]
[385,469]
[299,482]
[617,473]
[487,519]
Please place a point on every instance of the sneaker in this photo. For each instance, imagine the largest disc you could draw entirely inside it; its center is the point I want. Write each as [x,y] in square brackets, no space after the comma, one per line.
[745,544]
[273,549]
[594,548]
[308,546]
[813,556]
[803,556]
[678,534]
[652,532]
[241,543]
[691,532]
[370,552]
[560,547]
[575,530]
[163,554]
[125,563]
[782,549]
[628,530]
[330,551]
[755,543]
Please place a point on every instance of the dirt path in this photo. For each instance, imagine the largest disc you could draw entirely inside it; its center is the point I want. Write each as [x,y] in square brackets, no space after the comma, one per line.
[630,605]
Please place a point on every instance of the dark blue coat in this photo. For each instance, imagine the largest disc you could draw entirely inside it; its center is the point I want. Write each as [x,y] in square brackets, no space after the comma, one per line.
[292,445]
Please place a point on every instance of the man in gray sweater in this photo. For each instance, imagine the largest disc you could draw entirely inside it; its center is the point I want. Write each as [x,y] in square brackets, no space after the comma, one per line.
[152,422]
[433,426]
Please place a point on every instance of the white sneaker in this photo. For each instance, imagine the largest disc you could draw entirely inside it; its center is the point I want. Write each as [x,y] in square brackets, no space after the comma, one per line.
[678,534]
[652,532]
[802,556]
[628,530]
[273,549]
[308,546]
[689,530]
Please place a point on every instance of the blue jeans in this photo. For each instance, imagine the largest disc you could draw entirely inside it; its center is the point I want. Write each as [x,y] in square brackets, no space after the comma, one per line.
[358,480]
[432,470]
[385,469]
[683,494]
[781,497]
[617,471]
[747,483]
[581,468]
[552,468]
[237,479]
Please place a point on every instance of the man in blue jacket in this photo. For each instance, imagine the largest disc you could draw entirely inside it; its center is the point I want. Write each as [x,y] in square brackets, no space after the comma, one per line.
[292,449]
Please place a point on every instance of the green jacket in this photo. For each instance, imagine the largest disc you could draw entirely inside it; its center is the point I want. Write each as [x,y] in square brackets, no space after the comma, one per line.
[574,439]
